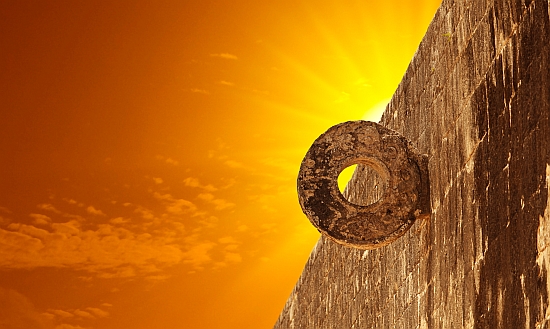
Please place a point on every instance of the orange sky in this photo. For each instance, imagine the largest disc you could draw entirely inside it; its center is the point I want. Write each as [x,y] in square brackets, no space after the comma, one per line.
[149,150]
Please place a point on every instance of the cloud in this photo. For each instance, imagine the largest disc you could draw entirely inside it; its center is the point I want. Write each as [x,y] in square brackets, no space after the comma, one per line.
[171,161]
[28,230]
[242,228]
[83,314]
[344,97]
[206,196]
[226,83]
[158,180]
[168,160]
[17,312]
[198,254]
[49,207]
[94,211]
[230,243]
[68,326]
[180,207]
[225,55]
[64,315]
[70,201]
[229,258]
[142,244]
[207,222]
[61,313]
[219,204]
[119,220]
[194,182]
[40,219]
[176,206]
[158,277]
[107,251]
[199,91]
[145,213]
[70,228]
[48,316]
[98,312]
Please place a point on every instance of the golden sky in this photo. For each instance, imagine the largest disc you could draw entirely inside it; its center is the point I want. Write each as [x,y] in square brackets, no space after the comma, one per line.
[149,150]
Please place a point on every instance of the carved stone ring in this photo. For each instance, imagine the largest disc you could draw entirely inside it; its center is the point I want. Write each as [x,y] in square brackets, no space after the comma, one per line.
[393,157]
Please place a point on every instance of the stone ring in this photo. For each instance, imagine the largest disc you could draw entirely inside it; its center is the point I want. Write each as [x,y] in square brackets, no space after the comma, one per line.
[397,162]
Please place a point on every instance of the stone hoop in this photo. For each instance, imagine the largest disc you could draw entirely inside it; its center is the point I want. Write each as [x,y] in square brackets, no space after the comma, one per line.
[403,169]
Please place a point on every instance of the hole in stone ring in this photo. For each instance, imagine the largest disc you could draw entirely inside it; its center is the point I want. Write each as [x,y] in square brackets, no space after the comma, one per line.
[369,185]
[345,177]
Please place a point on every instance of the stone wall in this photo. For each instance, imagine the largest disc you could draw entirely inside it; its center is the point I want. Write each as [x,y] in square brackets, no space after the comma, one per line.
[476,99]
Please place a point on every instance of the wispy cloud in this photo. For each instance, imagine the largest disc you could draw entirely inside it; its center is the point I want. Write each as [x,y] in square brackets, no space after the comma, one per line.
[72,201]
[225,55]
[168,160]
[143,241]
[119,220]
[219,204]
[48,207]
[97,312]
[198,255]
[199,91]
[83,314]
[176,206]
[226,83]
[61,313]
[92,210]
[221,154]
[230,252]
[74,315]
[40,219]
[145,213]
[229,259]
[108,251]
[343,97]
[230,243]
[194,182]
[172,161]
[242,228]
[68,326]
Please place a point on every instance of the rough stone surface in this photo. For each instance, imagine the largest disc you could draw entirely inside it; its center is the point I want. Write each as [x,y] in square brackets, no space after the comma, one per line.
[476,99]
[394,159]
